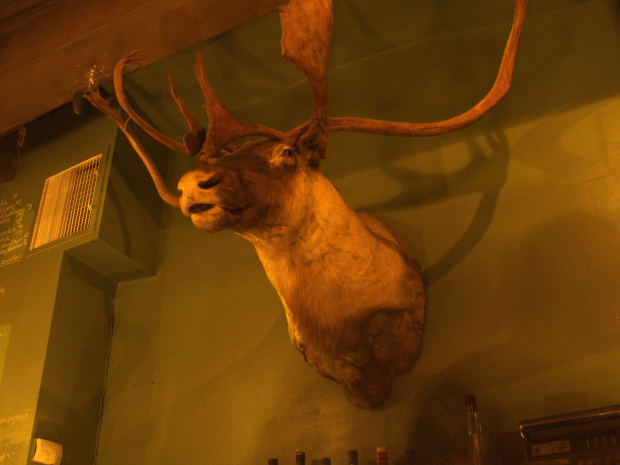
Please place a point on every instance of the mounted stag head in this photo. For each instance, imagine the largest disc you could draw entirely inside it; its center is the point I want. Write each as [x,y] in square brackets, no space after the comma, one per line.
[351,289]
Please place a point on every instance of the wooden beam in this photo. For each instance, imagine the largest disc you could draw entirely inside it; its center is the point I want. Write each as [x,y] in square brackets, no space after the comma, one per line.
[51,49]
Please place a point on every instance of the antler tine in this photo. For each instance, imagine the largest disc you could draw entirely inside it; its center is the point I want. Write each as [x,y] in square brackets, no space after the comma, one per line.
[105,106]
[497,92]
[224,127]
[121,65]
[306,37]
[194,125]
[195,138]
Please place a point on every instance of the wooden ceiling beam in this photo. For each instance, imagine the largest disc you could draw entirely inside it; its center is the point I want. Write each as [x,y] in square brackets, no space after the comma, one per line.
[51,47]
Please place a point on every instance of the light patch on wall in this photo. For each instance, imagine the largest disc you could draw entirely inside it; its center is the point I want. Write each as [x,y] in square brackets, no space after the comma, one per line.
[5,332]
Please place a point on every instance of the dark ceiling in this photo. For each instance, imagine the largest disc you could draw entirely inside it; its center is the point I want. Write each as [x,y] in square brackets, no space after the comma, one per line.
[49,49]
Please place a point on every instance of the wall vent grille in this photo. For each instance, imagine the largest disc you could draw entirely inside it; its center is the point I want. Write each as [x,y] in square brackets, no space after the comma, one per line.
[66,203]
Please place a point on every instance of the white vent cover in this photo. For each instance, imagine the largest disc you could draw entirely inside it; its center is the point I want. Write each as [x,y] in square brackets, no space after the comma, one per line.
[66,203]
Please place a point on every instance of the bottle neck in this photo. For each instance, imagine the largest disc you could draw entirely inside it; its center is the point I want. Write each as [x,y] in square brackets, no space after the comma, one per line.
[473,419]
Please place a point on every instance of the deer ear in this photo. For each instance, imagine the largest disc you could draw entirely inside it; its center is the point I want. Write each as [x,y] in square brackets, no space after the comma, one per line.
[283,155]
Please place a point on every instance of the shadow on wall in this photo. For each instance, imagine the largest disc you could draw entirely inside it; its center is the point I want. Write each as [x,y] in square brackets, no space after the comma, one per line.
[72,385]
[117,205]
[561,285]
[486,174]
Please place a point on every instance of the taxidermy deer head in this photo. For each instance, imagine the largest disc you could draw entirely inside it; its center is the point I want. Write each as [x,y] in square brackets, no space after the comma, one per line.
[352,291]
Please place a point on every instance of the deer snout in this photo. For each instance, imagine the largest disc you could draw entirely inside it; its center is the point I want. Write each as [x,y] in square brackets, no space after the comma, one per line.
[202,190]
[196,191]
[212,181]
[198,178]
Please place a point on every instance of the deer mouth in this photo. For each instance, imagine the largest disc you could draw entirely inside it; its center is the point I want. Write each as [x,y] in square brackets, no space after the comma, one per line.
[203,207]
[213,217]
[200,207]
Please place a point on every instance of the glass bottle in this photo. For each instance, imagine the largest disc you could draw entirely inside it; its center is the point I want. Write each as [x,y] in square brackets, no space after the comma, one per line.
[475,439]
[381,456]
[300,458]
[272,462]
[352,457]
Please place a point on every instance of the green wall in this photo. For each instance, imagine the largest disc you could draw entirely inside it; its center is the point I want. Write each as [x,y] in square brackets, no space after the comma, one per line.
[26,311]
[73,380]
[514,220]
[29,288]
[56,302]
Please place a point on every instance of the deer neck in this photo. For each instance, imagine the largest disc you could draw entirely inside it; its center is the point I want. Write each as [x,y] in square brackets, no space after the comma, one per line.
[314,222]
[308,259]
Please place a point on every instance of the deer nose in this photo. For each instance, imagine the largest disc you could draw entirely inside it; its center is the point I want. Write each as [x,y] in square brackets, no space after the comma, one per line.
[212,181]
[200,179]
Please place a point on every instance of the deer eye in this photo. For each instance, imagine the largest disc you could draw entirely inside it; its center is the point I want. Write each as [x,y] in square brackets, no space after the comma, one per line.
[282,155]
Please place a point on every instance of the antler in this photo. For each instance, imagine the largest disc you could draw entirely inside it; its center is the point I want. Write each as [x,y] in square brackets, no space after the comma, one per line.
[121,65]
[497,92]
[194,139]
[306,37]
[224,128]
[104,105]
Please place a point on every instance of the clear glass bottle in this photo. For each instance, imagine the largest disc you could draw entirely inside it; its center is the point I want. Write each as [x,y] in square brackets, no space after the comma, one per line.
[475,438]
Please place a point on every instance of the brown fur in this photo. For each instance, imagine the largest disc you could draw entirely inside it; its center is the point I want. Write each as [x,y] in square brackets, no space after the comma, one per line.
[352,292]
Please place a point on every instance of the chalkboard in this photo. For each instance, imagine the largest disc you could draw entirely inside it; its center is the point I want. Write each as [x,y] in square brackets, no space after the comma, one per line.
[16,218]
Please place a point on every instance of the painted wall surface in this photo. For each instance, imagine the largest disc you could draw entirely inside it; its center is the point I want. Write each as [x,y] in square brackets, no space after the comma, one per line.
[29,287]
[26,309]
[515,221]
[73,381]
